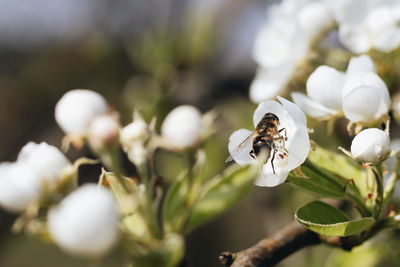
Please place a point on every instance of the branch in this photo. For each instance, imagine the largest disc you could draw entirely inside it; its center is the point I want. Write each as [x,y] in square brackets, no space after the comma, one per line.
[283,243]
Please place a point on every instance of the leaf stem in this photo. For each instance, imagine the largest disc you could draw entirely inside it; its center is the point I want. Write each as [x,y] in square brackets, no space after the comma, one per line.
[377,170]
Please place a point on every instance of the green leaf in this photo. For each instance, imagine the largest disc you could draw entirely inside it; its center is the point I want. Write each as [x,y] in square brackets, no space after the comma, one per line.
[313,186]
[221,193]
[174,210]
[327,220]
[124,190]
[336,162]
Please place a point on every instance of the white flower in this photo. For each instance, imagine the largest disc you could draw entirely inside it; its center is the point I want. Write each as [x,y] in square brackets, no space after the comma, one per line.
[182,127]
[19,187]
[45,160]
[103,131]
[368,24]
[273,45]
[360,94]
[365,96]
[283,43]
[133,138]
[324,93]
[85,223]
[292,123]
[314,17]
[22,182]
[76,110]
[268,83]
[371,145]
[137,130]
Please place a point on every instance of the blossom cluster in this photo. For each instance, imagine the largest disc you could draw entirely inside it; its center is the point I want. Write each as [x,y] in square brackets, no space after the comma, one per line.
[331,93]
[292,29]
[86,221]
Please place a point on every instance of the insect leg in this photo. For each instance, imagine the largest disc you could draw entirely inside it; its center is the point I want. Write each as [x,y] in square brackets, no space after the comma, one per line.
[284,129]
[252,154]
[284,139]
[272,160]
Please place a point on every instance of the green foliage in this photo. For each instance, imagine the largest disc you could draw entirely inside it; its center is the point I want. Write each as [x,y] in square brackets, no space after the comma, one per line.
[330,221]
[221,193]
[315,183]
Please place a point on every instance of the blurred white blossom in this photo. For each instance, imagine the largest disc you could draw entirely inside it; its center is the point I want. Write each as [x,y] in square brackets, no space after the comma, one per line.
[85,223]
[103,131]
[133,138]
[292,119]
[368,24]
[182,127]
[371,145]
[77,109]
[283,42]
[23,182]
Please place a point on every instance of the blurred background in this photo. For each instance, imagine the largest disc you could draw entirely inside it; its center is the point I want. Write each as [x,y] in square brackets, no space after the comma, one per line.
[155,54]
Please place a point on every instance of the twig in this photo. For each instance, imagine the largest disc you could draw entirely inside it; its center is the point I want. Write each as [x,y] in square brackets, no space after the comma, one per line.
[283,243]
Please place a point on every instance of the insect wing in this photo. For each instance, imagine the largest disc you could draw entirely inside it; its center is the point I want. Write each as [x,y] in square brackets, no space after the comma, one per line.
[241,146]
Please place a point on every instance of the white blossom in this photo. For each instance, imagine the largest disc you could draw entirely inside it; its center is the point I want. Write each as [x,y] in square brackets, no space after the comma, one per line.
[103,131]
[293,121]
[85,223]
[368,24]
[23,182]
[182,127]
[360,94]
[133,138]
[324,93]
[283,42]
[371,145]
[365,96]
[137,130]
[19,186]
[77,109]
[268,83]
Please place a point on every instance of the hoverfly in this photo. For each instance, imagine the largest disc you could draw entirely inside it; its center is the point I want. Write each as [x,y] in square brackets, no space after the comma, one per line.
[265,138]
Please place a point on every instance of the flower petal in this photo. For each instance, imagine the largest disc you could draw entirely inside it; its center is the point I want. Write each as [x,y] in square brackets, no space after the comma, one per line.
[241,157]
[270,82]
[383,26]
[294,111]
[298,148]
[358,79]
[270,179]
[366,104]
[325,85]
[312,108]
[362,63]
[355,38]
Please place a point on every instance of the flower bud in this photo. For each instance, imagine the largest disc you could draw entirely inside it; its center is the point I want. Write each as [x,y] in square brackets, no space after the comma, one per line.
[182,127]
[85,223]
[133,138]
[45,160]
[371,145]
[19,187]
[22,182]
[365,98]
[77,108]
[103,131]
[135,131]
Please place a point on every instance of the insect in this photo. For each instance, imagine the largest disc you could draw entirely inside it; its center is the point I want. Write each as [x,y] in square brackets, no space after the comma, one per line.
[265,138]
